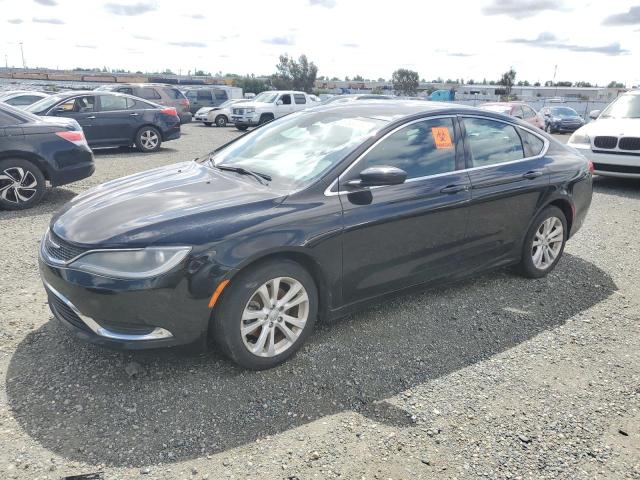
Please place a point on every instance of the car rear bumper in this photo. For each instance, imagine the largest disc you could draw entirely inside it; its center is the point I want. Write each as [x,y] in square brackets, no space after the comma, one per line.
[618,164]
[127,314]
[71,166]
[185,117]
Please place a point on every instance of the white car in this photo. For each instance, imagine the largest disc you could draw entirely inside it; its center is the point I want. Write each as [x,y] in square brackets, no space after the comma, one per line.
[22,98]
[268,106]
[220,115]
[612,141]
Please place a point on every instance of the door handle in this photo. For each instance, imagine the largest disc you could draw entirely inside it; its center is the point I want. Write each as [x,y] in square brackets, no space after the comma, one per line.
[532,174]
[133,114]
[92,117]
[455,188]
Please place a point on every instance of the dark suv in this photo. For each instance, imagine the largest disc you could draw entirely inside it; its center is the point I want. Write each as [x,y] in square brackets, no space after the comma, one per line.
[156,92]
[34,150]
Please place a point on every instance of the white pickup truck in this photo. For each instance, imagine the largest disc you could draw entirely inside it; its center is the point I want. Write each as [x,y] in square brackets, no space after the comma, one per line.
[268,106]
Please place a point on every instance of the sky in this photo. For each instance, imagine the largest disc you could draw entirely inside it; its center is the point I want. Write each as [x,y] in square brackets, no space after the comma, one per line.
[595,41]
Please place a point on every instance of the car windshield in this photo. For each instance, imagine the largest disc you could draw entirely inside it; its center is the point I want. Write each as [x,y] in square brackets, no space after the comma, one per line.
[625,106]
[44,104]
[297,149]
[266,97]
[506,109]
[564,112]
[228,103]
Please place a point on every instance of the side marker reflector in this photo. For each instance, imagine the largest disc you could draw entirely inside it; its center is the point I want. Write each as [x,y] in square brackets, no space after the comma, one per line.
[217,293]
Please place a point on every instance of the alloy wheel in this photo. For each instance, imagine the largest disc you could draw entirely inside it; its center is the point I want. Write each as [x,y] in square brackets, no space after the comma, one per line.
[149,139]
[274,317]
[17,185]
[547,243]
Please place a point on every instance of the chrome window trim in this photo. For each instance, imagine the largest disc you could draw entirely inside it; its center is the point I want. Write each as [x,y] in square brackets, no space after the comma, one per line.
[543,152]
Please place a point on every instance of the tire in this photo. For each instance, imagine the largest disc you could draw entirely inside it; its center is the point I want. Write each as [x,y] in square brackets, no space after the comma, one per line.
[22,184]
[264,118]
[242,299]
[535,262]
[547,128]
[208,124]
[221,121]
[242,128]
[148,139]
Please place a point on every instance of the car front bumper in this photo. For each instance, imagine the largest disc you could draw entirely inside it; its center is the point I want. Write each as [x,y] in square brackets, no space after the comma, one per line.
[613,164]
[164,311]
[245,120]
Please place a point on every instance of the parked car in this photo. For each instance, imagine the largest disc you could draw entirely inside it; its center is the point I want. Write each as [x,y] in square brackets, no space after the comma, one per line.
[213,96]
[268,106]
[21,98]
[310,215]
[157,93]
[352,98]
[34,151]
[612,141]
[561,119]
[114,119]
[518,110]
[219,115]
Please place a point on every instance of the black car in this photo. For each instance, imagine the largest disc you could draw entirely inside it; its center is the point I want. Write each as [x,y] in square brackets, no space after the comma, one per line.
[114,119]
[33,151]
[310,215]
[561,119]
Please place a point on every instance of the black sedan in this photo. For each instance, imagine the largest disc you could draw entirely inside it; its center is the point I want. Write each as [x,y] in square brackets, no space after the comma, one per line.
[33,151]
[561,119]
[310,216]
[114,119]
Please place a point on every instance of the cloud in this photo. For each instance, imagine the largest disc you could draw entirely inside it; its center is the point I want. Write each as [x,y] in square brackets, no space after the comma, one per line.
[460,54]
[85,46]
[15,21]
[550,41]
[521,8]
[350,45]
[130,10]
[141,37]
[52,21]
[188,44]
[279,41]
[196,16]
[323,3]
[47,3]
[632,17]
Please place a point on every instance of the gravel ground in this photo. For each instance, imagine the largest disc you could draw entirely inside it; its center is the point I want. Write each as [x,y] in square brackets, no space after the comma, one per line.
[493,377]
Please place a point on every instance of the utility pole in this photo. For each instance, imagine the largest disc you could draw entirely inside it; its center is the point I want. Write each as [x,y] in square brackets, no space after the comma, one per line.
[24,65]
[6,61]
[555,70]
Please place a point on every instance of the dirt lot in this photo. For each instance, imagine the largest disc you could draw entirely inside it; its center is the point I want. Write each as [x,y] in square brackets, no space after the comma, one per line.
[494,377]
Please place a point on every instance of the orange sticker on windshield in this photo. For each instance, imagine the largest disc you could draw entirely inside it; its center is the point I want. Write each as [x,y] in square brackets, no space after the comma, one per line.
[441,137]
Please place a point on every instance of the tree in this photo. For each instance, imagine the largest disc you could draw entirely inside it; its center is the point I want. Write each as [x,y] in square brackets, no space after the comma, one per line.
[251,84]
[615,84]
[507,80]
[582,84]
[358,78]
[405,81]
[292,74]
[537,84]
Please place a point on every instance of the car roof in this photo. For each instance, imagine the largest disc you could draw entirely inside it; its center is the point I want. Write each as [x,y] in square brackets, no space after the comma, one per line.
[75,93]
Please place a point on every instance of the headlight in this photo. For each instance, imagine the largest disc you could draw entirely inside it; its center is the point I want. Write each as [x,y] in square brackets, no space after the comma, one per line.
[579,139]
[555,119]
[136,263]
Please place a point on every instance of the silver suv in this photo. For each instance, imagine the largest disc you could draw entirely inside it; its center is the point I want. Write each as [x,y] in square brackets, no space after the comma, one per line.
[166,95]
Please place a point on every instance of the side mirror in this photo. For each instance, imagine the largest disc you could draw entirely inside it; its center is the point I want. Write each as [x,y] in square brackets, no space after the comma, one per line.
[378,176]
[593,114]
[279,102]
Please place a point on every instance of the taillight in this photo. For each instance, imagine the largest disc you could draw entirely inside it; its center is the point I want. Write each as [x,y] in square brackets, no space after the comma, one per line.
[591,167]
[169,111]
[76,136]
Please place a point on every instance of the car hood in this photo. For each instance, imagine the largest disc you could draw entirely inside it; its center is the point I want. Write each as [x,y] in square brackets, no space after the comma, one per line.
[157,206]
[250,105]
[614,127]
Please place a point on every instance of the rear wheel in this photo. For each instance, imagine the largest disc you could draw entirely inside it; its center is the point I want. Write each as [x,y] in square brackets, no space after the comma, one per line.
[148,139]
[266,314]
[22,184]
[208,124]
[221,121]
[544,243]
[242,128]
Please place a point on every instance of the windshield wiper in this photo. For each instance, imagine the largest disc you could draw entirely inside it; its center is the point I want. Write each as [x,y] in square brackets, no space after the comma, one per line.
[261,177]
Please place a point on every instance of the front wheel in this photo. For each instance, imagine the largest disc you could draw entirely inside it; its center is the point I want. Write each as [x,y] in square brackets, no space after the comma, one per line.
[221,121]
[242,128]
[148,139]
[22,184]
[544,243]
[266,314]
[207,124]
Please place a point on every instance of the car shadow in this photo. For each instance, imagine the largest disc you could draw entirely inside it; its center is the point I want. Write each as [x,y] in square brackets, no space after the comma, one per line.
[78,401]
[99,152]
[53,199]
[620,187]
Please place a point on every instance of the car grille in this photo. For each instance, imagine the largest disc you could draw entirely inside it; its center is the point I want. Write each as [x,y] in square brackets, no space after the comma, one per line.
[603,167]
[61,310]
[59,249]
[605,142]
[629,143]
[238,111]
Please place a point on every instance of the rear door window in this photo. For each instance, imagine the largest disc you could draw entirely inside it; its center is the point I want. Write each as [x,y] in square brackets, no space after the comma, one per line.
[491,142]
[299,98]
[532,144]
[149,93]
[221,95]
[174,93]
[204,96]
[109,103]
